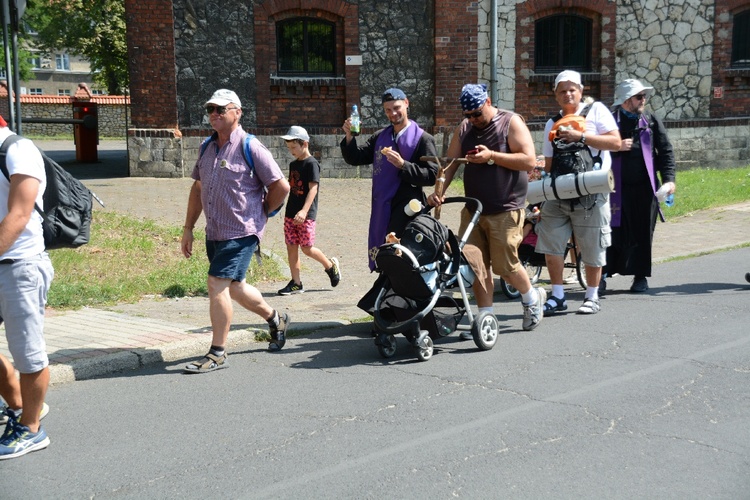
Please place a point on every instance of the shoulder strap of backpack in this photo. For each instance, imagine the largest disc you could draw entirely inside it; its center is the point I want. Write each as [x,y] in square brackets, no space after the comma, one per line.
[246,149]
[557,116]
[7,143]
[249,152]
[586,109]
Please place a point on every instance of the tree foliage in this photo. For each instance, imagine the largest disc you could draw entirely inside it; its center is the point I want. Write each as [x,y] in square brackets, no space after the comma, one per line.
[93,29]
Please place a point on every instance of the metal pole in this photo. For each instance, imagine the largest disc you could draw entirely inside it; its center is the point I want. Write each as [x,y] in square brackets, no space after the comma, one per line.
[16,67]
[6,46]
[494,91]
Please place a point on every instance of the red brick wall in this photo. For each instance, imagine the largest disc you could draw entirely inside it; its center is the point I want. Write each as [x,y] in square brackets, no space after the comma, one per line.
[732,84]
[321,102]
[534,97]
[151,61]
[455,57]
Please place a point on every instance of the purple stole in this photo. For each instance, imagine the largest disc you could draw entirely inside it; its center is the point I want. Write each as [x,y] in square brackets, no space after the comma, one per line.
[386,181]
[615,198]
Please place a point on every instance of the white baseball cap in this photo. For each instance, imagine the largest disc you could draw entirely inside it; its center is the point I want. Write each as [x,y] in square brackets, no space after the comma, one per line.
[628,88]
[296,132]
[569,76]
[222,97]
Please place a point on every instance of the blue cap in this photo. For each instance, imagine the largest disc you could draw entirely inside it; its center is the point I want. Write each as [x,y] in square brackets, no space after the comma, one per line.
[393,94]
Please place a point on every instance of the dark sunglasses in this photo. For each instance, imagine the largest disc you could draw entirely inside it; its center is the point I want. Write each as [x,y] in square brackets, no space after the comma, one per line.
[639,97]
[475,114]
[219,109]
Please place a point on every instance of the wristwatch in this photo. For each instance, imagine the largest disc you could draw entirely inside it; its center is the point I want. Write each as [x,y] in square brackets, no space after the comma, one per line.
[583,138]
[491,161]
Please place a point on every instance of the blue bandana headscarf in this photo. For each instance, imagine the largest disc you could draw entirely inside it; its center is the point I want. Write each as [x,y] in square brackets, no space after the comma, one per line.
[473,95]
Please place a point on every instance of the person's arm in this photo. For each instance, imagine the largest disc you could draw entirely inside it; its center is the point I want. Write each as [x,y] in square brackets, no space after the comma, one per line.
[194,209]
[21,201]
[521,154]
[277,193]
[418,172]
[454,151]
[355,155]
[300,216]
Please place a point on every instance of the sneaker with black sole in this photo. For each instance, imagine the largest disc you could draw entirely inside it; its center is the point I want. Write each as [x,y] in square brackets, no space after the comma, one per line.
[334,273]
[18,440]
[291,288]
[278,333]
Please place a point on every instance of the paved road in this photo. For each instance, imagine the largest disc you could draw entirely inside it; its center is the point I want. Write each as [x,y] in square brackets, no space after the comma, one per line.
[650,399]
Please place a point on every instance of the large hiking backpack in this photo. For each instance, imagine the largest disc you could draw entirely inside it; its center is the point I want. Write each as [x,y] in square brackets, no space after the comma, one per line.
[426,237]
[572,157]
[66,214]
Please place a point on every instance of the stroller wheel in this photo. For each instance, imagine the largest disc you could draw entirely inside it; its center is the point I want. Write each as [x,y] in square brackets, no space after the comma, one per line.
[424,351]
[386,345]
[485,331]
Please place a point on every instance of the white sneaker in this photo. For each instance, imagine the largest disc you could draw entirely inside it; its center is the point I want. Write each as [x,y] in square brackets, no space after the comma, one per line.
[532,313]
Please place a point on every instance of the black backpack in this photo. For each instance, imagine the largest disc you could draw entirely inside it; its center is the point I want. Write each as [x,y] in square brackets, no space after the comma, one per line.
[66,216]
[572,157]
[426,237]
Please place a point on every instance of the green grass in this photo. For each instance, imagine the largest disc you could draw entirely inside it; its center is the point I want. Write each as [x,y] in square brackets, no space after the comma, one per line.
[702,188]
[129,258]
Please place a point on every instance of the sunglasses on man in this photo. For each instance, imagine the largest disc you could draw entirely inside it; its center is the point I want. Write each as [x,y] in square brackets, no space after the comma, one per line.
[222,110]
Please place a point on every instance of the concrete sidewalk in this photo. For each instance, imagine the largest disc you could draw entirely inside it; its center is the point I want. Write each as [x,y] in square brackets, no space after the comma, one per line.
[92,342]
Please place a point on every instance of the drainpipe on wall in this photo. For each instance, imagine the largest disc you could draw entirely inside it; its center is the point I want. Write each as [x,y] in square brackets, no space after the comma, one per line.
[494,91]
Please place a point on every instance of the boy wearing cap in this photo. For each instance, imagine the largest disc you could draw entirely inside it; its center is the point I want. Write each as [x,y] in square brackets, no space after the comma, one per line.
[301,210]
[561,218]
[236,199]
[645,151]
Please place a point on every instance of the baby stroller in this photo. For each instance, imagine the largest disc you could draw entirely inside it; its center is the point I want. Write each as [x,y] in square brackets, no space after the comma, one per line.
[534,262]
[414,299]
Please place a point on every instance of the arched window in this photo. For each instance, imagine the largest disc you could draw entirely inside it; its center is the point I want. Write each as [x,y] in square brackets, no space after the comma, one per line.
[306,46]
[562,42]
[741,40]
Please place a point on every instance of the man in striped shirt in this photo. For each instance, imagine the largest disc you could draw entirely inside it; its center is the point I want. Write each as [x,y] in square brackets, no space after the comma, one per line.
[236,197]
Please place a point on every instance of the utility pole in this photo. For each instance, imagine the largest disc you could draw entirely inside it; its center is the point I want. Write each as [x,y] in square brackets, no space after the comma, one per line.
[11,11]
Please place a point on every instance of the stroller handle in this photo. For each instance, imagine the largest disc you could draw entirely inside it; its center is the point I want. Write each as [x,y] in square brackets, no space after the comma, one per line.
[471,204]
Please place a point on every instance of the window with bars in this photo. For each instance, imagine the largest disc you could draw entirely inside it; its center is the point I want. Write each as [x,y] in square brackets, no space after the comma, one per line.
[306,47]
[63,92]
[741,40]
[36,91]
[562,42]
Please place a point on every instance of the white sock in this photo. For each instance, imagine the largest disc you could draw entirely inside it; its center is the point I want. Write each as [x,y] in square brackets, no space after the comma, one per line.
[485,309]
[529,297]
[558,291]
[592,292]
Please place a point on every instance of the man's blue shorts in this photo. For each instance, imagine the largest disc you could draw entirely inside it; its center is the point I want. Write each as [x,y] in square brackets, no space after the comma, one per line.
[230,259]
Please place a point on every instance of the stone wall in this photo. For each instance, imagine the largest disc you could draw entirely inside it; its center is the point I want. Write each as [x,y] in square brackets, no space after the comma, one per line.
[113,119]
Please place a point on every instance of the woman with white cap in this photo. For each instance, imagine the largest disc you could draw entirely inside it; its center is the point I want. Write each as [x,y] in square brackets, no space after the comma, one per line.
[645,150]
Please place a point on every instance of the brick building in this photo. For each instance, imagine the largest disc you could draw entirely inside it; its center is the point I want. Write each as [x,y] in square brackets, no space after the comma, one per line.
[307,62]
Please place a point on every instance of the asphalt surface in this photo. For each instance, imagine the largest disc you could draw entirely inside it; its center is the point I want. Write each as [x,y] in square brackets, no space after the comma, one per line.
[95,341]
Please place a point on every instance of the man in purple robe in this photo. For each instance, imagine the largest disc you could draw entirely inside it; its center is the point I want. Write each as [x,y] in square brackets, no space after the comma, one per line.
[398,174]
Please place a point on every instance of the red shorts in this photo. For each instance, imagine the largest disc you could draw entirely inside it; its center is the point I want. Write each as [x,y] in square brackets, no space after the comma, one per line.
[299,234]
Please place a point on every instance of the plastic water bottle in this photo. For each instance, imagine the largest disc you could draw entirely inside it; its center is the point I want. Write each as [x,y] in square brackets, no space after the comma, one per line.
[669,201]
[354,129]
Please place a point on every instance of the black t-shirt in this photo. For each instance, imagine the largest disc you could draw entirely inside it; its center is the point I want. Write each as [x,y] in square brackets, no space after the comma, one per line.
[301,174]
